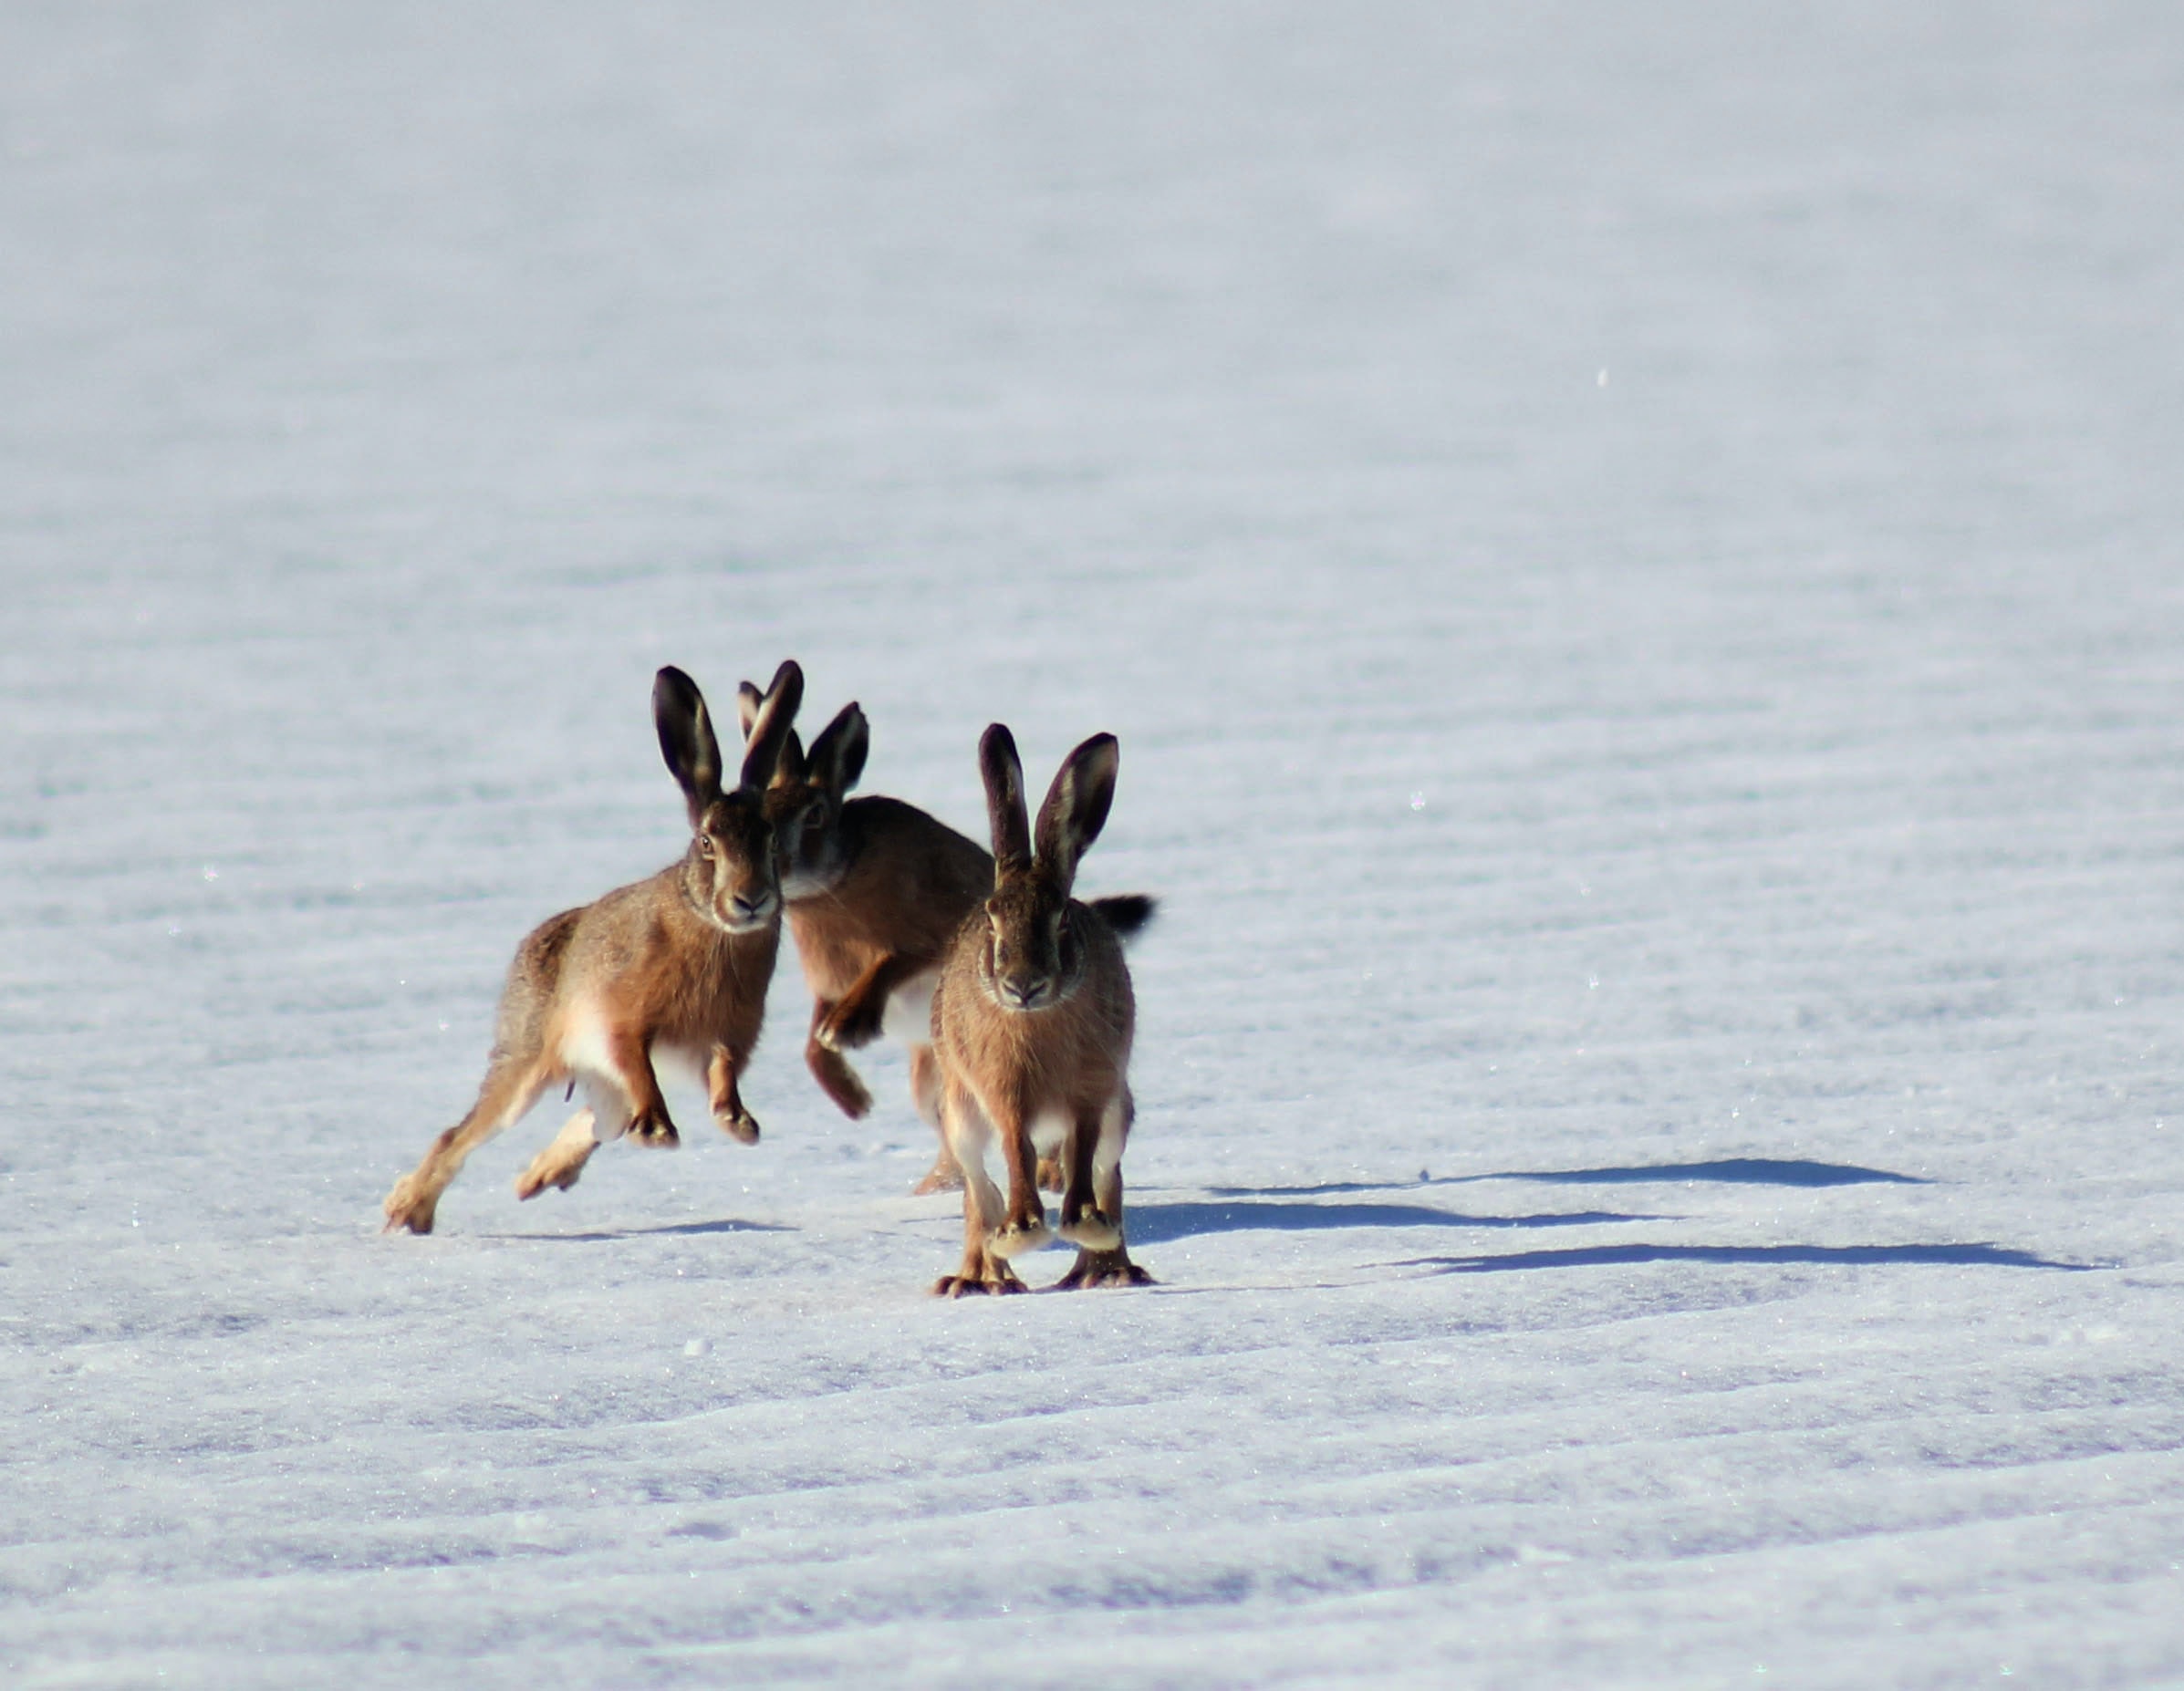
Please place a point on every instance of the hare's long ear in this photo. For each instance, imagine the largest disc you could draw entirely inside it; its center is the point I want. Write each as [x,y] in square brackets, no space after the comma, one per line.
[791,764]
[1004,773]
[686,738]
[772,726]
[837,755]
[1076,805]
[788,771]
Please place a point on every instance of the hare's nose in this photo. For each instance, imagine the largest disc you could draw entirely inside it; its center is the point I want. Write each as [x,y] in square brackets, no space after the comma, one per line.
[1022,994]
[754,909]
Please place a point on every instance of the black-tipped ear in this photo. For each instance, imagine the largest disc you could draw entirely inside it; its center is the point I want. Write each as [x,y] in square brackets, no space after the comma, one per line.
[770,727]
[1003,773]
[1076,805]
[789,771]
[837,755]
[686,738]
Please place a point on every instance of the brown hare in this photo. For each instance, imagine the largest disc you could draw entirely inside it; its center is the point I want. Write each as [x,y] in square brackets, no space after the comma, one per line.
[876,891]
[1032,1022]
[676,965]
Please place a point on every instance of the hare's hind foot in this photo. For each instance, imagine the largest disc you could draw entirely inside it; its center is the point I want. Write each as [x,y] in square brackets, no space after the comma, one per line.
[409,1206]
[739,1124]
[980,1275]
[1093,1231]
[1104,1268]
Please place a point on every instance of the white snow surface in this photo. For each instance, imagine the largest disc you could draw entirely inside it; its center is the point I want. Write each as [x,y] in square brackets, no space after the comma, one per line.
[1633,554]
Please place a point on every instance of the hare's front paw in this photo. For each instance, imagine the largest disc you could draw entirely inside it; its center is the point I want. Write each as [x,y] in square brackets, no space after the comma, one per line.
[851,1026]
[738,1125]
[944,1176]
[1017,1238]
[1092,1231]
[656,1131]
[838,1079]
[1050,1177]
[548,1169]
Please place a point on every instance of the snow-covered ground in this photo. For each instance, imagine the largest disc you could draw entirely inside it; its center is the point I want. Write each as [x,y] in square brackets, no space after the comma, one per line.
[1633,554]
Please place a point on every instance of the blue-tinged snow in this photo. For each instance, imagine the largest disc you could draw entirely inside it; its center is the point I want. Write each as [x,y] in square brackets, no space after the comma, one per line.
[1633,554]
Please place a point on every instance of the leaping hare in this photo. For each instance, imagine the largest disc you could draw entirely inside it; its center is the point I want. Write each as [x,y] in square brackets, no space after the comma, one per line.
[876,891]
[1032,1022]
[675,966]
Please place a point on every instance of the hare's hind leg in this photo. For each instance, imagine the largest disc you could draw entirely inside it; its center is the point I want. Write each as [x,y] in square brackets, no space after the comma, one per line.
[1100,1158]
[510,1088]
[944,1176]
[984,1208]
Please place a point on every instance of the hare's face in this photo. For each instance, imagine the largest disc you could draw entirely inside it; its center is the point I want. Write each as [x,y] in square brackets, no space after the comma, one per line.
[807,838]
[732,872]
[1030,960]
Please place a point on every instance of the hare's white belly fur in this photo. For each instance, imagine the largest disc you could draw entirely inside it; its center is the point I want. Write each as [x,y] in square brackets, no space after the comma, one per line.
[588,1057]
[907,1017]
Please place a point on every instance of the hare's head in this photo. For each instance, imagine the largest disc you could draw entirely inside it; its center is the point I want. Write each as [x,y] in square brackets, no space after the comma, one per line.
[805,793]
[730,872]
[1032,956]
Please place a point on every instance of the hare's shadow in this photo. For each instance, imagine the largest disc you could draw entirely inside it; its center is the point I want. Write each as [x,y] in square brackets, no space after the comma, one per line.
[1727,1172]
[679,1230]
[1980,1254]
[1157,1223]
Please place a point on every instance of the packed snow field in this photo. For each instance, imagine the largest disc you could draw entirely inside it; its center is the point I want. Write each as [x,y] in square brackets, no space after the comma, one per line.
[1633,555]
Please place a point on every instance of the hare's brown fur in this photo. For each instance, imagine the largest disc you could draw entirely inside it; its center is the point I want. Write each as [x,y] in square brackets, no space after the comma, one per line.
[876,891]
[1032,1020]
[675,965]
[876,936]
[875,888]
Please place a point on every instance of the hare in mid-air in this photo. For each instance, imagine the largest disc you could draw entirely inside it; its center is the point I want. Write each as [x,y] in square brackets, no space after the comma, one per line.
[676,966]
[876,891]
[1031,1022]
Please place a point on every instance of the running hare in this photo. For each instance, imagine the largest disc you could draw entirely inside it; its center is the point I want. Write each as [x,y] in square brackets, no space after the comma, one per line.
[876,891]
[675,966]
[1031,1022]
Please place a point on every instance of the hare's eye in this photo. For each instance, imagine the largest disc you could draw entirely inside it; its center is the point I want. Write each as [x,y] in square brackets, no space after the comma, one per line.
[705,846]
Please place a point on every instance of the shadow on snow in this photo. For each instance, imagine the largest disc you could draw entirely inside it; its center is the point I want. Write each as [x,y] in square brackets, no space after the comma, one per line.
[1980,1255]
[683,1230]
[1728,1171]
[1152,1224]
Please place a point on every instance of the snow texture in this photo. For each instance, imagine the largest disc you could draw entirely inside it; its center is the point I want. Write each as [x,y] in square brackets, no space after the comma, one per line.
[1633,554]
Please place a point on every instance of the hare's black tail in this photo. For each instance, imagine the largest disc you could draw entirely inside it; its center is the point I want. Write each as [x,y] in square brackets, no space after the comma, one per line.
[1126,913]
